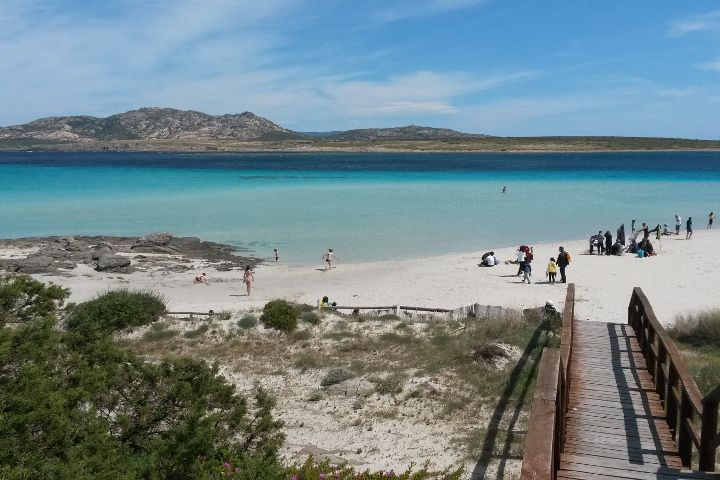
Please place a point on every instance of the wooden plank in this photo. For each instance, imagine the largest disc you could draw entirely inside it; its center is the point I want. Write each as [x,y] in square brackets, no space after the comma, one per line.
[647,458]
[620,464]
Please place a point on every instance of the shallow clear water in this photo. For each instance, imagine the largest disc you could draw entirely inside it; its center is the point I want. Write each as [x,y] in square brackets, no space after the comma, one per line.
[365,206]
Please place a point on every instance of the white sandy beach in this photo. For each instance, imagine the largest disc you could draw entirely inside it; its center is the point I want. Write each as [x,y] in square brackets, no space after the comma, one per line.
[678,280]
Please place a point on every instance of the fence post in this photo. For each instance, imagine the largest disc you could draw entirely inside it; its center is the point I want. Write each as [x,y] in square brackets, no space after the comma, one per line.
[684,440]
[708,435]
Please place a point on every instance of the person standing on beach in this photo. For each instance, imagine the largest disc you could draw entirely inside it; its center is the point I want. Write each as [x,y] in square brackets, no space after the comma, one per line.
[248,278]
[328,258]
[551,270]
[521,261]
[632,226]
[563,261]
[504,189]
[277,255]
[688,229]
[678,222]
[710,220]
[621,234]
[608,242]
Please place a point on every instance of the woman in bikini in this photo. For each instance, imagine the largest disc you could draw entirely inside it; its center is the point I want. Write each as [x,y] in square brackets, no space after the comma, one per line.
[248,278]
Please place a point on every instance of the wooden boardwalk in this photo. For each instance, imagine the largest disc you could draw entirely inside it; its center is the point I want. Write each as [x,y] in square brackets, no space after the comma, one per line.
[616,425]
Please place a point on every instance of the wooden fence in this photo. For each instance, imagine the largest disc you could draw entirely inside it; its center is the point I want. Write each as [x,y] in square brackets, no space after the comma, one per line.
[678,391]
[476,310]
[546,432]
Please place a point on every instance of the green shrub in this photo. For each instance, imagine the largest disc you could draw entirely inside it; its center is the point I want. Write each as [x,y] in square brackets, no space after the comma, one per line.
[247,322]
[311,317]
[22,298]
[159,332]
[391,385]
[334,376]
[301,308]
[116,310]
[224,315]
[702,329]
[198,332]
[280,315]
[301,335]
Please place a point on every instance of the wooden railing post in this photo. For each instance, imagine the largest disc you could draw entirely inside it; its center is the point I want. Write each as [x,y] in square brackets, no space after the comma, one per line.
[683,439]
[673,400]
[709,436]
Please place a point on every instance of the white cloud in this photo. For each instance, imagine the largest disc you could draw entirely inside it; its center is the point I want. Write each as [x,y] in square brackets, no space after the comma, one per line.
[697,23]
[420,8]
[713,66]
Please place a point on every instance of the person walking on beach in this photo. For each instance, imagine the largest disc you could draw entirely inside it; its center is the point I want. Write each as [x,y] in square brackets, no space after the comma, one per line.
[678,222]
[248,278]
[328,258]
[563,261]
[551,270]
[688,229]
[527,270]
[710,220]
[277,255]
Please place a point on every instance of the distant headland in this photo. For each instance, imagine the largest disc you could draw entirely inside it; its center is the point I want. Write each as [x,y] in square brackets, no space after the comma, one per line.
[171,130]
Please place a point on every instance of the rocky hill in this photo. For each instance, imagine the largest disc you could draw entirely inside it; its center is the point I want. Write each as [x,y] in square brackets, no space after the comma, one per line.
[150,124]
[411,132]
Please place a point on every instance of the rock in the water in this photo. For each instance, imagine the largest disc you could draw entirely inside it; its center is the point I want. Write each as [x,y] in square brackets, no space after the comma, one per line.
[156,239]
[112,262]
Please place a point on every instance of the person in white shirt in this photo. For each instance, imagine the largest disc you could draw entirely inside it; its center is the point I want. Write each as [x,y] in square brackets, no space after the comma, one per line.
[678,221]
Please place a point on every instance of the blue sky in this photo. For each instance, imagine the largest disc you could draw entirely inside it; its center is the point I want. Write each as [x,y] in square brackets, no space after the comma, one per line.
[499,67]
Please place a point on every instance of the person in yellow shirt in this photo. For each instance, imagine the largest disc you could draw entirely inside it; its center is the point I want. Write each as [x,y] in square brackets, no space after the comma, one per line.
[551,270]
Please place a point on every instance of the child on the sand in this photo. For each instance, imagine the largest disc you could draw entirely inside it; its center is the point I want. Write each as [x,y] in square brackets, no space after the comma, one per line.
[328,258]
[201,278]
[551,270]
[277,255]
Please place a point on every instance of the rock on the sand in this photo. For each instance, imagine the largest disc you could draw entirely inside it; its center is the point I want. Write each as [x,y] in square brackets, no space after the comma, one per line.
[156,239]
[33,264]
[111,262]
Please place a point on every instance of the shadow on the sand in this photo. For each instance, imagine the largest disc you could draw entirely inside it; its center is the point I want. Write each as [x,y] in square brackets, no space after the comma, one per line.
[521,389]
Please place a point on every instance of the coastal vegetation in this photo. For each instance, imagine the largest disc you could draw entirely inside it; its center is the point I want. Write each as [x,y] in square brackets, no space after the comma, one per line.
[698,337]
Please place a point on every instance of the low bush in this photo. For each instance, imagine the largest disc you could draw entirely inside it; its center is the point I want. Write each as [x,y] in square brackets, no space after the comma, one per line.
[224,315]
[201,330]
[334,376]
[159,332]
[391,385]
[702,329]
[310,317]
[247,322]
[302,335]
[280,315]
[117,310]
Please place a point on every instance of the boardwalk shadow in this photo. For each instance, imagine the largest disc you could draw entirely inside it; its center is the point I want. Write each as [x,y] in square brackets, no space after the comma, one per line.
[498,440]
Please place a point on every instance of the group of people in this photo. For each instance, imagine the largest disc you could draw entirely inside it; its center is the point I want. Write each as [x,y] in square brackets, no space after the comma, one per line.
[248,278]
[525,258]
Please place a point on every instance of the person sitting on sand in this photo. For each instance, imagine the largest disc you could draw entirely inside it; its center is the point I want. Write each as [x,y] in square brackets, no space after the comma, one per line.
[248,278]
[328,258]
[201,278]
[666,230]
[325,302]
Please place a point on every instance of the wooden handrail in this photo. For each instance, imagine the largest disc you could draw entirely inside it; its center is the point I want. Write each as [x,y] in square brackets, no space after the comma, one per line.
[546,432]
[676,387]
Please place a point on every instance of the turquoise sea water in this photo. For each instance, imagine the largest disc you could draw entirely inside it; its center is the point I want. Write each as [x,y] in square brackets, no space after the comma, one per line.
[365,206]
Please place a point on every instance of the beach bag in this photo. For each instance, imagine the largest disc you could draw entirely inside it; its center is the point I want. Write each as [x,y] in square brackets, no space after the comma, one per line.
[641,253]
